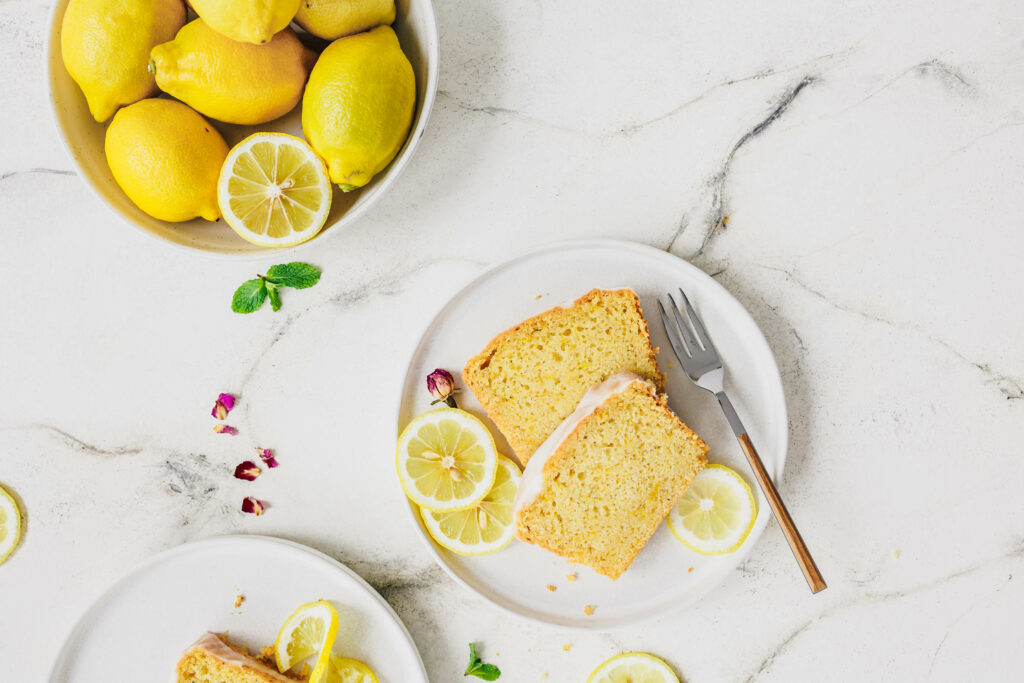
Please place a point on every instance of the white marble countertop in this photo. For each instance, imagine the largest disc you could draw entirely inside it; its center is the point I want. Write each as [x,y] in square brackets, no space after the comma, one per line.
[851,171]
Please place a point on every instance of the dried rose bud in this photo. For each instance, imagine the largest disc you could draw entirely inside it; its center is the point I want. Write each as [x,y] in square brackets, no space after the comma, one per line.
[441,386]
[225,429]
[223,406]
[267,457]
[247,470]
[252,506]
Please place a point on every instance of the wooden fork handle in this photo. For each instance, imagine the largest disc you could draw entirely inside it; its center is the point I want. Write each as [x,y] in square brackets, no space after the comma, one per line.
[796,542]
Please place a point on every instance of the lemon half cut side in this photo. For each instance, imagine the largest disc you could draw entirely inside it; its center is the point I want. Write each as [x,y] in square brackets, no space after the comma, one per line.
[716,513]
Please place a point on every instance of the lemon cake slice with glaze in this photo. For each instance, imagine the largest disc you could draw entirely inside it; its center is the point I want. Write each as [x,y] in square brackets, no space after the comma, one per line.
[211,660]
[598,487]
[529,378]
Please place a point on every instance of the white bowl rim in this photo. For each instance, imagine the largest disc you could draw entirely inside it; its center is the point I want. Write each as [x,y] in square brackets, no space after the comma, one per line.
[394,169]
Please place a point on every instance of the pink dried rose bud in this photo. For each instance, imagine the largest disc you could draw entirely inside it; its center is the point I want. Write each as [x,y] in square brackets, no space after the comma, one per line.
[225,429]
[223,406]
[252,506]
[267,457]
[441,386]
[247,470]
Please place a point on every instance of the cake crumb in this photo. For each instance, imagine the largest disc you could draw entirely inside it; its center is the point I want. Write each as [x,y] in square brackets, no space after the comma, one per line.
[543,677]
[239,599]
[551,588]
[566,647]
[896,554]
[537,297]
[689,570]
[588,610]
[571,577]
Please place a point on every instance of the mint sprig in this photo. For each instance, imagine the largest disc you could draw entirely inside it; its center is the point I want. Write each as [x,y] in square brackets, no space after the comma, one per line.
[252,294]
[487,672]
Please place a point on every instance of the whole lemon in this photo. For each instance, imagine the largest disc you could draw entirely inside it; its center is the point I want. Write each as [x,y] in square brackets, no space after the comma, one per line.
[230,81]
[332,19]
[358,105]
[248,21]
[105,45]
[167,159]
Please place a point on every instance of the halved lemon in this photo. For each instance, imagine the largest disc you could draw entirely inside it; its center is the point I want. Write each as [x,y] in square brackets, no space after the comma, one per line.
[344,670]
[446,460]
[274,190]
[310,630]
[633,667]
[10,524]
[716,513]
[485,528]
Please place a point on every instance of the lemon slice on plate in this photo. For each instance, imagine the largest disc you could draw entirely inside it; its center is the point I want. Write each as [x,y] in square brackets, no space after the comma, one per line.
[344,670]
[274,190]
[485,528]
[716,513]
[446,460]
[310,630]
[633,667]
[10,524]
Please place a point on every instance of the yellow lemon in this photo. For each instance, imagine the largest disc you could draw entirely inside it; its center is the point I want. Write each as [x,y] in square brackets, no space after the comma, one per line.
[247,21]
[105,45]
[358,105]
[231,81]
[345,670]
[10,524]
[715,515]
[167,159]
[633,667]
[332,19]
[309,630]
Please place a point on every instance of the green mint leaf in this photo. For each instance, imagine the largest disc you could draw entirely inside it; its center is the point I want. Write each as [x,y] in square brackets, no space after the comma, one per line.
[487,672]
[297,275]
[274,296]
[249,296]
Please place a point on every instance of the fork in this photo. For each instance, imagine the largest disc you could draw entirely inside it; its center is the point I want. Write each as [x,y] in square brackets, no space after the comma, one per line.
[703,365]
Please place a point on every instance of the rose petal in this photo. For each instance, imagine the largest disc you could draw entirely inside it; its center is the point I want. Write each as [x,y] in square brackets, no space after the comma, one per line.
[222,406]
[267,457]
[225,429]
[247,470]
[252,506]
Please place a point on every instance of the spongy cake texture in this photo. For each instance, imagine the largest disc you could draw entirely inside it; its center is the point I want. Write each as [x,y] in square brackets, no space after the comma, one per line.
[529,378]
[612,480]
[213,660]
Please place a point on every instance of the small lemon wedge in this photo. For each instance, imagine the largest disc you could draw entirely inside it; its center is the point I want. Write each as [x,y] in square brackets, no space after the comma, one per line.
[10,524]
[446,460]
[310,630]
[716,513]
[344,670]
[484,528]
[633,667]
[274,191]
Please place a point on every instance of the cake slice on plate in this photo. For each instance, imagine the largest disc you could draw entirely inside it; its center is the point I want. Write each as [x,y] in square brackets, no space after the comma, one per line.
[598,487]
[529,378]
[211,660]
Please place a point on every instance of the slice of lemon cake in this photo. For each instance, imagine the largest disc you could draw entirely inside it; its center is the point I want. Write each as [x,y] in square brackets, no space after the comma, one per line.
[211,660]
[529,378]
[599,486]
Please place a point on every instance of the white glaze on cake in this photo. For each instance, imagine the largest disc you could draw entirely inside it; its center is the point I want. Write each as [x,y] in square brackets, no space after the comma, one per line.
[217,648]
[533,475]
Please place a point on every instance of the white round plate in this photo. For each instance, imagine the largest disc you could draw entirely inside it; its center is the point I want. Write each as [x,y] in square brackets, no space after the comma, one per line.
[666,575]
[149,617]
[83,137]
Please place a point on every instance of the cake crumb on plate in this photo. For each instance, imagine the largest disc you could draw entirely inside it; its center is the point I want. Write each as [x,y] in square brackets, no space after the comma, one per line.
[551,588]
[588,610]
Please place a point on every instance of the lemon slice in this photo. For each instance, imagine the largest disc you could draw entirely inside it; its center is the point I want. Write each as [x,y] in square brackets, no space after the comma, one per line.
[310,630]
[633,667]
[716,513]
[344,670]
[485,528]
[274,190]
[10,524]
[446,460]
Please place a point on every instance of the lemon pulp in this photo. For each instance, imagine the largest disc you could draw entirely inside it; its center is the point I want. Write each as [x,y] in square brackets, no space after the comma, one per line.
[715,514]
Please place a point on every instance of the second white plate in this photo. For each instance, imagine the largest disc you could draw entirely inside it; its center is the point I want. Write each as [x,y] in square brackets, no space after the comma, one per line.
[666,575]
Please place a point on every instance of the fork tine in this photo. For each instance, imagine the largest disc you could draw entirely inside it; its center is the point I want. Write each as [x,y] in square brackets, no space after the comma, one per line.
[698,325]
[684,329]
[673,335]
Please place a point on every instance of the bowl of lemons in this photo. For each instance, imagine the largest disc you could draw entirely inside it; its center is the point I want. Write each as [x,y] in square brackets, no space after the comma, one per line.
[237,128]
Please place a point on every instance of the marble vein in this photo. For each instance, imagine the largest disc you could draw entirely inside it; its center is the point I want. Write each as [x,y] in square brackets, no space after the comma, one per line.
[35,171]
